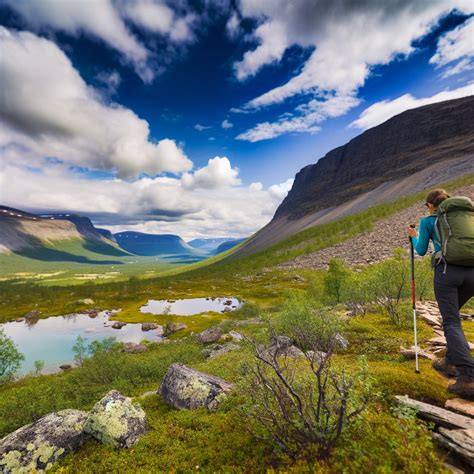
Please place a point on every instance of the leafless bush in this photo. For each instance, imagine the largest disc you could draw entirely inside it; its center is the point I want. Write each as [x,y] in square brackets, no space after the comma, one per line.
[302,404]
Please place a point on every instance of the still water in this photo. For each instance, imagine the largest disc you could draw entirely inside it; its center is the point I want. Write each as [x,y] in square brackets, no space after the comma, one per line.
[51,339]
[190,306]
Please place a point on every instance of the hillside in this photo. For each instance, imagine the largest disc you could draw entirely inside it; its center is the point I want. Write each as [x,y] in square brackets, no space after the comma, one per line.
[227,245]
[139,243]
[408,153]
[208,245]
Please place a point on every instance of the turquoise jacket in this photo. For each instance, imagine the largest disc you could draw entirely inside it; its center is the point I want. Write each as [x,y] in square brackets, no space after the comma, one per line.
[426,233]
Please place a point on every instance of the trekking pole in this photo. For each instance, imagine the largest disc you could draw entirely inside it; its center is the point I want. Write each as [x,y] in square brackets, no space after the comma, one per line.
[413,299]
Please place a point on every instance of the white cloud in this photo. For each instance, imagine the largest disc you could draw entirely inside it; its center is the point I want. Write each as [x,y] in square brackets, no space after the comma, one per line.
[382,111]
[348,39]
[200,127]
[279,191]
[156,205]
[158,17]
[258,186]
[217,174]
[47,107]
[311,113]
[233,25]
[226,124]
[110,79]
[456,45]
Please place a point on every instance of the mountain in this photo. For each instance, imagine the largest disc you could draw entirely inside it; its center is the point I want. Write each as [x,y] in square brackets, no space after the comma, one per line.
[209,245]
[35,235]
[410,152]
[227,245]
[154,244]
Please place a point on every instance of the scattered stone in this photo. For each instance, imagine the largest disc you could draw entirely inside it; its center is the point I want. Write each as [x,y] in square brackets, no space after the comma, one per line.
[216,350]
[65,366]
[411,353]
[19,320]
[440,416]
[115,420]
[437,341]
[249,321]
[341,341]
[298,278]
[118,325]
[39,445]
[465,407]
[227,303]
[209,335]
[92,313]
[283,346]
[171,328]
[34,314]
[316,356]
[152,327]
[134,348]
[185,388]
[236,335]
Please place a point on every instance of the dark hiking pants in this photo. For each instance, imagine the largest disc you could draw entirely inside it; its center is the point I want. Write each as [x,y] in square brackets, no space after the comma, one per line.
[453,289]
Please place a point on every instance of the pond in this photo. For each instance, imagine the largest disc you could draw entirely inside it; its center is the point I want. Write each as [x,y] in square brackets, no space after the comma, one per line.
[51,339]
[191,306]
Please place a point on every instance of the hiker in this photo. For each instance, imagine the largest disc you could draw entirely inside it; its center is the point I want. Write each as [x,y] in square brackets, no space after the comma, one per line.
[453,283]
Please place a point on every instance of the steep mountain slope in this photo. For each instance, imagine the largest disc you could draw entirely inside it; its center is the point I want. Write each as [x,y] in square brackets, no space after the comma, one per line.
[410,152]
[154,244]
[23,232]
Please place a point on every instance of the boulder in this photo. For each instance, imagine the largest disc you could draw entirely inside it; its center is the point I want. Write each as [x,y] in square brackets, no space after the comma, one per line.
[133,348]
[171,328]
[341,341]
[209,335]
[185,388]
[215,350]
[37,446]
[152,327]
[115,420]
[236,335]
[65,366]
[118,325]
[316,356]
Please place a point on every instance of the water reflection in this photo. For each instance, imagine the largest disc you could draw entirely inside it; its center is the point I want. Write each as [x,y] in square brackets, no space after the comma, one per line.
[190,306]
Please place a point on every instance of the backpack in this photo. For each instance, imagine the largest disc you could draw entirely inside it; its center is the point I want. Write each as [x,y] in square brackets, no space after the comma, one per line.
[455,228]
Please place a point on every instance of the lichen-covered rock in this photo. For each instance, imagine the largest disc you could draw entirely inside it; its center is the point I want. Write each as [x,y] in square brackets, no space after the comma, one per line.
[216,350]
[209,335]
[116,420]
[283,346]
[118,325]
[236,335]
[37,446]
[153,327]
[183,388]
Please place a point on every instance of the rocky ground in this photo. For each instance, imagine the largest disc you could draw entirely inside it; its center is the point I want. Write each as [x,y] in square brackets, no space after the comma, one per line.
[372,246]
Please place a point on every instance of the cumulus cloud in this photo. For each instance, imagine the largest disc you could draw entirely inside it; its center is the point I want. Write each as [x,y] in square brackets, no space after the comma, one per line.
[257,186]
[48,108]
[348,38]
[156,205]
[105,20]
[279,191]
[456,46]
[226,124]
[382,111]
[217,174]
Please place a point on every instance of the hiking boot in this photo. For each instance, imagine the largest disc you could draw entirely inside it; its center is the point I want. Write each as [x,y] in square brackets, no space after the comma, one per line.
[445,368]
[464,387]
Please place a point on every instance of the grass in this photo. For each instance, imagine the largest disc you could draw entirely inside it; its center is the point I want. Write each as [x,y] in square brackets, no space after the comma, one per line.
[184,441]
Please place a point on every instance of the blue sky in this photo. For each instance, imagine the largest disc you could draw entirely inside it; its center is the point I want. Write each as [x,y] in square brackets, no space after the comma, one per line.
[115,110]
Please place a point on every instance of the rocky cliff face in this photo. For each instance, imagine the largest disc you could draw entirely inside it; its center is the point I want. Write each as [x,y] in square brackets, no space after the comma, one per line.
[403,145]
[410,152]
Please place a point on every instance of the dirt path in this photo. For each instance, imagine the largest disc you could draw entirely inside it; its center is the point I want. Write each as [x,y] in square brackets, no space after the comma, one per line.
[373,246]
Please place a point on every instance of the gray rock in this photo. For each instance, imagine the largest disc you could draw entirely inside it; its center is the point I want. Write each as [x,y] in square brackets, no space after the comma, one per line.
[152,327]
[236,335]
[209,335]
[341,341]
[116,420]
[171,328]
[133,348]
[215,350]
[316,356]
[185,388]
[37,446]
[65,366]
[118,324]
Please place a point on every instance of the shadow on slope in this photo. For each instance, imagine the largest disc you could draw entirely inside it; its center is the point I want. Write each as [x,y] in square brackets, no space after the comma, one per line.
[104,249]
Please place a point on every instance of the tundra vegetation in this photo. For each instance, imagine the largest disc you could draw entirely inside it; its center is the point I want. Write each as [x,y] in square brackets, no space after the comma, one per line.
[330,409]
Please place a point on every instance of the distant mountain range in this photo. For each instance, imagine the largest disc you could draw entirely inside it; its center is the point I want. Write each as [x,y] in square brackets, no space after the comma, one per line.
[209,245]
[410,152]
[139,243]
[227,245]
